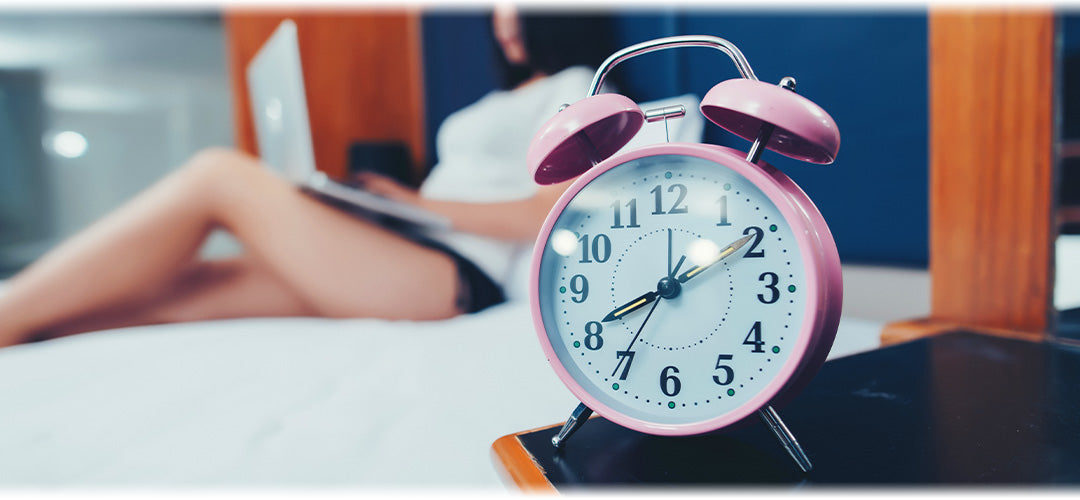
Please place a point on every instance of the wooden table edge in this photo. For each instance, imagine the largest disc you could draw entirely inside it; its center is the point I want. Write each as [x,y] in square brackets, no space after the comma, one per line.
[513,461]
[913,329]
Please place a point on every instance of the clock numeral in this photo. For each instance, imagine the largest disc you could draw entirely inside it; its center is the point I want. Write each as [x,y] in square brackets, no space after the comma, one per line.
[627,356]
[729,373]
[675,208]
[758,235]
[580,286]
[617,206]
[601,248]
[670,381]
[723,211]
[774,293]
[755,332]
[593,340]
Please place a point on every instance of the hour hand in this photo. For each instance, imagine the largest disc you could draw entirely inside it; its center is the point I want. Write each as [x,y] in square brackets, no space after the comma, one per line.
[631,306]
[726,252]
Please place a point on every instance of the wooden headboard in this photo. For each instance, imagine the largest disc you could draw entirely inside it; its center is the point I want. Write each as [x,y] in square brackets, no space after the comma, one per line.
[362,72]
[992,166]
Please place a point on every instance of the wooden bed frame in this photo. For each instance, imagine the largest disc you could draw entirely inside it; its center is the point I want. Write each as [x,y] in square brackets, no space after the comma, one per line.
[992,171]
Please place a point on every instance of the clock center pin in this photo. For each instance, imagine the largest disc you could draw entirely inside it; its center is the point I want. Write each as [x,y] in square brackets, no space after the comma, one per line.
[668,287]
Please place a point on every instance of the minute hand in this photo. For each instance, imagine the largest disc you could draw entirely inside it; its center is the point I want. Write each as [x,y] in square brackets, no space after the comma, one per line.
[723,254]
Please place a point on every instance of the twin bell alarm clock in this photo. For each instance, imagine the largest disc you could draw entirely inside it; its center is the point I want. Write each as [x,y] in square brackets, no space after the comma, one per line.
[679,288]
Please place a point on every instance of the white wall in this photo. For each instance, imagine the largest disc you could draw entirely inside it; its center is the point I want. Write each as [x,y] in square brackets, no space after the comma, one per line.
[145,90]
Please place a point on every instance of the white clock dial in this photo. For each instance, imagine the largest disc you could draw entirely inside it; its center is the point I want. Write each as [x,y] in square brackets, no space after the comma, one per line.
[715,333]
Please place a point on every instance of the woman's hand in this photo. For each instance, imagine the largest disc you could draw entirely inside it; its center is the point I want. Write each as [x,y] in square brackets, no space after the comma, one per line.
[385,186]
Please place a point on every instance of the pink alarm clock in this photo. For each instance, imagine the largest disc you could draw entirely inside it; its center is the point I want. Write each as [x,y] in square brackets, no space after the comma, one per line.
[679,288]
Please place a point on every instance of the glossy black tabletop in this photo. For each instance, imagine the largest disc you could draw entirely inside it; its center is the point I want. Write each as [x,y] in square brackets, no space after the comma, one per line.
[960,408]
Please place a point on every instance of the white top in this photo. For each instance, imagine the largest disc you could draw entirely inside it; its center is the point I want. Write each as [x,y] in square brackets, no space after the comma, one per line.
[482,150]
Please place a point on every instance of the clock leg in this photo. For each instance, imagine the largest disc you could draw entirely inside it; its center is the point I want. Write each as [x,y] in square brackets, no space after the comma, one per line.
[576,420]
[786,438]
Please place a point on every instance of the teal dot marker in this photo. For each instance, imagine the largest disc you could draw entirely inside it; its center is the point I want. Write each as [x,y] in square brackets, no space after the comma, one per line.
[667,175]
[731,392]
[577,343]
[727,187]
[562,289]
[776,350]
[615,386]
[671,404]
[772,227]
[791,288]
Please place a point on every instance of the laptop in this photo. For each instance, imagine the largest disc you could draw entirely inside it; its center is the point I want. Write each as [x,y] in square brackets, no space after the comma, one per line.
[283,133]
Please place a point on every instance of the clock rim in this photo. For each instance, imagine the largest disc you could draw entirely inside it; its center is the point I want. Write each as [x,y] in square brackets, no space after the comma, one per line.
[831,308]
[821,308]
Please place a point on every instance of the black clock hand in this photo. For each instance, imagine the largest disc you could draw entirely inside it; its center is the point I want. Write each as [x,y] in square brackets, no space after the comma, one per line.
[726,252]
[647,297]
[628,355]
[669,271]
[677,266]
[631,306]
[623,355]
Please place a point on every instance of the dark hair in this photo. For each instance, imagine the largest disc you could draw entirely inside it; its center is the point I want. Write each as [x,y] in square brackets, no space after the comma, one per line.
[555,41]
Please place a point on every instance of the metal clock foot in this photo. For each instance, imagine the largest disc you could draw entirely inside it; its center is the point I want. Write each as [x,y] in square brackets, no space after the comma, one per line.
[576,420]
[786,438]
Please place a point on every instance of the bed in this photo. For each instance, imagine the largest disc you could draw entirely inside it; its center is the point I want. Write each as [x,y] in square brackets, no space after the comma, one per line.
[285,402]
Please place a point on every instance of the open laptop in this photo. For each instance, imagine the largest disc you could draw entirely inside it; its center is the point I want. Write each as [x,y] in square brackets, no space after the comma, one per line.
[283,132]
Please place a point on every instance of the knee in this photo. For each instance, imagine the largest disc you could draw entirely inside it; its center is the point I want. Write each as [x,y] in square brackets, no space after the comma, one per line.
[218,172]
[218,165]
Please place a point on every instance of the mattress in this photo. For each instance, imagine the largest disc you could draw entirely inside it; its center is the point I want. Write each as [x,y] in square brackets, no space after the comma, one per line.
[293,402]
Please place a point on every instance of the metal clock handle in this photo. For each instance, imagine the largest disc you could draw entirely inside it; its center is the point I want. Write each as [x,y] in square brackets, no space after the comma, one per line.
[672,42]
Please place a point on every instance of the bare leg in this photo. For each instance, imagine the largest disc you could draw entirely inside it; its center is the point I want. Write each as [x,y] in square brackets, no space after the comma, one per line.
[128,253]
[202,291]
[337,265]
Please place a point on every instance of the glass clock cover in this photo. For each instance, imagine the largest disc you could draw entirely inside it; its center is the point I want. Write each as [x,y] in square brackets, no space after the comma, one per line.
[739,333]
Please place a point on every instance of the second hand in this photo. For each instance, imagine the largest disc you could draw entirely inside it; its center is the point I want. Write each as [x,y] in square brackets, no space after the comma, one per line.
[642,327]
[670,276]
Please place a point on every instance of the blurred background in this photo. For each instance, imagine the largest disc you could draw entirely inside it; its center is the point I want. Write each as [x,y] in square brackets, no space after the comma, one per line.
[95,106]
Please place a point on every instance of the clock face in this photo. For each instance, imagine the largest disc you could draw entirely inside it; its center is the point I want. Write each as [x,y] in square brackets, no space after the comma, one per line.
[673,292]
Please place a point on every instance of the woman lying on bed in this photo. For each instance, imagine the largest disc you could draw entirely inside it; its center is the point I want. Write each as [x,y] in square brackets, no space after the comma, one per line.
[139,265]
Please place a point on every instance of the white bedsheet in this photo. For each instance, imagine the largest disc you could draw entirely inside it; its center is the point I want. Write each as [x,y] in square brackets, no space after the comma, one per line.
[284,402]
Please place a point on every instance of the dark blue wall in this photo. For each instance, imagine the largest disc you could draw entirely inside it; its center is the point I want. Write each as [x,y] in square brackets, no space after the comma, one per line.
[868,70]
[1069,36]
[458,47]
